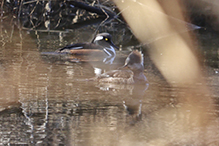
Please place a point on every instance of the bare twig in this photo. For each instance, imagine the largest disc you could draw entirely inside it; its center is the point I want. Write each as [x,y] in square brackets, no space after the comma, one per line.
[2,4]
[34,7]
[30,2]
[20,7]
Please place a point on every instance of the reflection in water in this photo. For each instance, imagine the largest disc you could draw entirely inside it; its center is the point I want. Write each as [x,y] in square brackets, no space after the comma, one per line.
[41,102]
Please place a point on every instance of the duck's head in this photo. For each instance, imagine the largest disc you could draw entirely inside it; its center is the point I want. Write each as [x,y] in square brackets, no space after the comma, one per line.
[134,61]
[105,40]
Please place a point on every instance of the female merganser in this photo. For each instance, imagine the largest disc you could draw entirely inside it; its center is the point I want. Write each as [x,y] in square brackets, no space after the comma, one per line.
[131,73]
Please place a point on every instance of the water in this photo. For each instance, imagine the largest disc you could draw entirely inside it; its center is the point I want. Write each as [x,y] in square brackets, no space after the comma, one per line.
[42,103]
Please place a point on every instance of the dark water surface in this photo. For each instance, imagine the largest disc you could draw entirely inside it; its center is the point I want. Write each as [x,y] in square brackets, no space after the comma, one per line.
[43,102]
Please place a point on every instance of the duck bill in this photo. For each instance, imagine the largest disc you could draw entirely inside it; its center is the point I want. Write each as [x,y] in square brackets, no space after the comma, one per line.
[123,67]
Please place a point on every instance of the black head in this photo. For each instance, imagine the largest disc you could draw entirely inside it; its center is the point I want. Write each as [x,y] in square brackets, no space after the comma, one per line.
[102,37]
[105,40]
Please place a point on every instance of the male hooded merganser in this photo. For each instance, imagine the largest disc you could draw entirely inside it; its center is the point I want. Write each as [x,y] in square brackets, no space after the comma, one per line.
[101,45]
[134,74]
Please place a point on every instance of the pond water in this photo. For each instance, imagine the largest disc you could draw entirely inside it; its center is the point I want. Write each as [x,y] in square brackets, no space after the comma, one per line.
[43,102]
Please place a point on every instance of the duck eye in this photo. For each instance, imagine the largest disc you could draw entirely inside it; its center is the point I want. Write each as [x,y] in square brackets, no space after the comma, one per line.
[106,39]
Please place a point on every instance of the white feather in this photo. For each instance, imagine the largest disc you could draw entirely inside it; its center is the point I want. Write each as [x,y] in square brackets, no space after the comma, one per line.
[98,38]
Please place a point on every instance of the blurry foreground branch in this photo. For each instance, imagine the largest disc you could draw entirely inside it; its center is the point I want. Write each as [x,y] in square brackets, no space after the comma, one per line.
[173,54]
[171,51]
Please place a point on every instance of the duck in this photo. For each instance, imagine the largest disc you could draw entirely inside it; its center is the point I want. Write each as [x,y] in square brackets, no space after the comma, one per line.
[100,47]
[132,72]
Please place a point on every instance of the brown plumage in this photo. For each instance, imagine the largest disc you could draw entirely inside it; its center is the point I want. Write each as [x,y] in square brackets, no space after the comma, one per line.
[130,73]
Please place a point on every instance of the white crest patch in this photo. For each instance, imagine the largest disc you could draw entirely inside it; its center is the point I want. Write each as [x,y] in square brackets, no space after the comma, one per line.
[98,38]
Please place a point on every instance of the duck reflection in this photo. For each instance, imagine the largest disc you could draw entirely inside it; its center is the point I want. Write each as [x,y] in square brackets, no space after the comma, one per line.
[121,89]
[130,97]
[134,110]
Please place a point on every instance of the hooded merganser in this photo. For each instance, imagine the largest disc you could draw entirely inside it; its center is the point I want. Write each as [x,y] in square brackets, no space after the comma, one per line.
[134,73]
[101,45]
